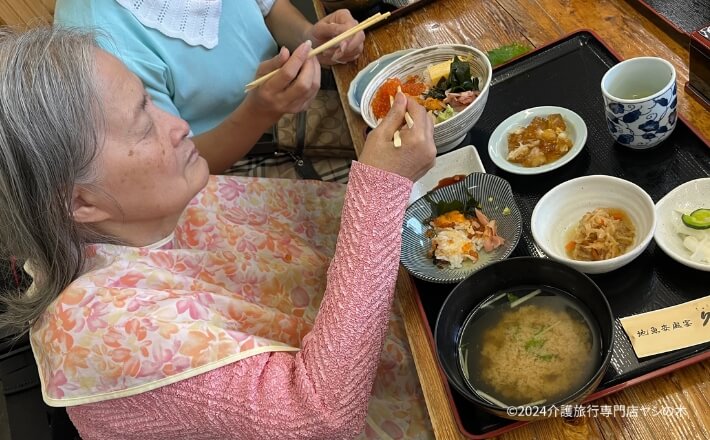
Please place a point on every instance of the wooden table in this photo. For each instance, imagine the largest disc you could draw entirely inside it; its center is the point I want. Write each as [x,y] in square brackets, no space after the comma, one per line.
[487,24]
[26,12]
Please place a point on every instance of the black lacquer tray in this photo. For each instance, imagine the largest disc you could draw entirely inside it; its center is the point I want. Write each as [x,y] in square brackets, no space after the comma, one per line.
[396,8]
[685,16]
[568,73]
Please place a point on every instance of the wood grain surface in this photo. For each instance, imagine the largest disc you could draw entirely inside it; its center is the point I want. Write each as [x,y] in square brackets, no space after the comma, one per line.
[26,12]
[489,24]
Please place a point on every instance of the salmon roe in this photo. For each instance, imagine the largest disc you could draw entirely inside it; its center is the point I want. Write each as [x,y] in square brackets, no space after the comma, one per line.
[381,102]
[414,87]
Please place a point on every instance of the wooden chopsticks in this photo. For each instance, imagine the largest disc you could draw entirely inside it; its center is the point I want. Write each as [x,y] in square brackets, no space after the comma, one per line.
[407,116]
[327,45]
[410,122]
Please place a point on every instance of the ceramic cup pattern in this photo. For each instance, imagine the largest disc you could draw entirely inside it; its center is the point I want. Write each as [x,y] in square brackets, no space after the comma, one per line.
[640,101]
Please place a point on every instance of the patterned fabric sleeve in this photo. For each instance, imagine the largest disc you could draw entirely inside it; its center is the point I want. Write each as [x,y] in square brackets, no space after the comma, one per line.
[321,392]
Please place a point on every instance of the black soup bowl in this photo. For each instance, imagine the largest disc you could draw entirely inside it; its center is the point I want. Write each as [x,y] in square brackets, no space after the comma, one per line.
[488,286]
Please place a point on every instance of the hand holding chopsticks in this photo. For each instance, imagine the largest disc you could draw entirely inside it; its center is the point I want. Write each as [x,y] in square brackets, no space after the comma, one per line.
[417,153]
[327,45]
[407,118]
[397,140]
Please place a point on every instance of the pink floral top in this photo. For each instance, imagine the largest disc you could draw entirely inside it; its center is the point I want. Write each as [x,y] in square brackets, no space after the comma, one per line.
[242,278]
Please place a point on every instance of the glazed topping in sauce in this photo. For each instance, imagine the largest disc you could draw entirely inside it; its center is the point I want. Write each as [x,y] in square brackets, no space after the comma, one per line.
[449,180]
[543,141]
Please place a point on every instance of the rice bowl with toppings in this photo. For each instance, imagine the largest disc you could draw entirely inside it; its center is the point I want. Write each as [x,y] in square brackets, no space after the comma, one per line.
[419,64]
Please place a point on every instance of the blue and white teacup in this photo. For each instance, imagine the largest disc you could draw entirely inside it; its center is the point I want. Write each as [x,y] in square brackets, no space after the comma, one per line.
[640,101]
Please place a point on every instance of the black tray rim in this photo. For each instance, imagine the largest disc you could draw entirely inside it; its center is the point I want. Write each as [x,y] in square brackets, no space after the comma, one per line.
[696,358]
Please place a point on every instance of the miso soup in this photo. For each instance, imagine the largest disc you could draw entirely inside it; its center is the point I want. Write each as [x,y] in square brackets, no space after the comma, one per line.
[529,345]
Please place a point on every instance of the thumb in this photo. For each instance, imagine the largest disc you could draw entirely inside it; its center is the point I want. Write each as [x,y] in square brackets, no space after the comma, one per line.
[394,120]
[273,63]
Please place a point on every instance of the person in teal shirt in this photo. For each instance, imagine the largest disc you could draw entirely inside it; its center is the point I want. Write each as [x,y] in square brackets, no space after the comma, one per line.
[196,56]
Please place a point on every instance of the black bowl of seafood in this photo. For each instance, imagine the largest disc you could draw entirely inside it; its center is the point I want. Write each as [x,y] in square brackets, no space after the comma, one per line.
[457,229]
[595,224]
[450,80]
[523,336]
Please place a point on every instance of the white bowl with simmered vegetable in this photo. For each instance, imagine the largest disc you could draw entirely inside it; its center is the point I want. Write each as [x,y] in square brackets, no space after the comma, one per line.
[687,242]
[453,79]
[595,224]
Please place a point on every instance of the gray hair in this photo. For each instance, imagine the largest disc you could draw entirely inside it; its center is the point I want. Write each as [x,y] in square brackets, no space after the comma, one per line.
[49,137]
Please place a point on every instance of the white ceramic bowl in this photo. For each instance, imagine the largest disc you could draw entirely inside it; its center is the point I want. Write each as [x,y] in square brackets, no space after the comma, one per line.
[560,210]
[464,160]
[450,133]
[498,143]
[685,198]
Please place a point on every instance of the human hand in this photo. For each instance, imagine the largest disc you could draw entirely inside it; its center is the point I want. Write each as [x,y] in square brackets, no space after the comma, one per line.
[417,153]
[292,88]
[331,26]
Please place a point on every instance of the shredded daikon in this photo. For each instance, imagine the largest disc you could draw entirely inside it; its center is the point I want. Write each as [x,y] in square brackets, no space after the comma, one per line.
[696,241]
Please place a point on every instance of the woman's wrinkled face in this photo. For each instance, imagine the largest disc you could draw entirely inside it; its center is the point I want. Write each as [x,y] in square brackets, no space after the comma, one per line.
[147,164]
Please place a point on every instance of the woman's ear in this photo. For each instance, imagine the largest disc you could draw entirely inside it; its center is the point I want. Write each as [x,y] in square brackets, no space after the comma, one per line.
[86,206]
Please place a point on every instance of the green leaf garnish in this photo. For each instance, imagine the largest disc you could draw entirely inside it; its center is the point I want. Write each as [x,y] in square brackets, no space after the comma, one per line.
[507,52]
[466,207]
[534,344]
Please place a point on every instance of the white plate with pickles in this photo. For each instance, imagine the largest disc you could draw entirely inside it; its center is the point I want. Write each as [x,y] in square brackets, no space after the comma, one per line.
[683,228]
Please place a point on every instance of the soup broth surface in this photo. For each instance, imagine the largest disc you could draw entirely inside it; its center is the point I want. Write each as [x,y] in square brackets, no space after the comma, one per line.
[539,351]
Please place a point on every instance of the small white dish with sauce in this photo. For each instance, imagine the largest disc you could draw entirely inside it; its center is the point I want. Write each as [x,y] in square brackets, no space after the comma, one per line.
[498,143]
[462,161]
[685,198]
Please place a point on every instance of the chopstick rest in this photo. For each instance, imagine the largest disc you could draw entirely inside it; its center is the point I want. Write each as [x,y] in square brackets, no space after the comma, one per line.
[327,45]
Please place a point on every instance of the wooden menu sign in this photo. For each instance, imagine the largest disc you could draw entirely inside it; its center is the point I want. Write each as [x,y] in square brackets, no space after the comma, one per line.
[672,328]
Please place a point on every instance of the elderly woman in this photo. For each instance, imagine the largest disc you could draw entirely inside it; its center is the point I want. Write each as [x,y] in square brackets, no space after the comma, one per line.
[170,304]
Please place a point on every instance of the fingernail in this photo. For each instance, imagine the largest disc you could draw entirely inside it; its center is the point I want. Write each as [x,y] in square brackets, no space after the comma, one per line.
[343,46]
[399,97]
[309,43]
